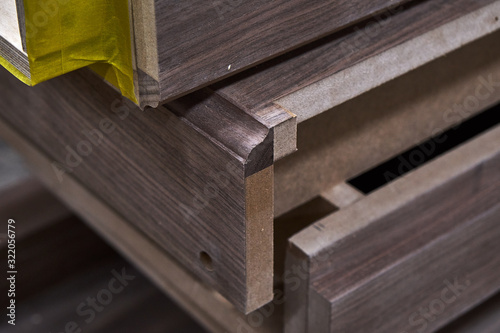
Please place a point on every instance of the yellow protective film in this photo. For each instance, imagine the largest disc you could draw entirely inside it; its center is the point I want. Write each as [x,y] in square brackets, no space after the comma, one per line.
[65,35]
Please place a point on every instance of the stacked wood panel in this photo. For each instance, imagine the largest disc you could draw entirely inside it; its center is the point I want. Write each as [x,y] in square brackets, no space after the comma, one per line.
[249,186]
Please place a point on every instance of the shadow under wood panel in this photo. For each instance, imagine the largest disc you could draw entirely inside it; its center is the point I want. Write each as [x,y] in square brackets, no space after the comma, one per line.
[358,135]
[139,307]
[64,263]
[196,196]
[485,318]
[29,202]
[429,241]
[51,243]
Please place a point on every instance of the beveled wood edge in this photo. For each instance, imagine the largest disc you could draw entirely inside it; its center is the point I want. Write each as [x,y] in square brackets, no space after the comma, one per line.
[373,72]
[243,135]
[396,194]
[210,308]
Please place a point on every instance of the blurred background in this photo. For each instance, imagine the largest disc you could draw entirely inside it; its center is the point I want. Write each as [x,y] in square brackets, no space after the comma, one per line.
[69,279]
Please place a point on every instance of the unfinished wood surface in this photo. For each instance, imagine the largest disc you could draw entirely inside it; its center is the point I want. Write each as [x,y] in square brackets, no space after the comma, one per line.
[208,306]
[189,191]
[360,134]
[426,241]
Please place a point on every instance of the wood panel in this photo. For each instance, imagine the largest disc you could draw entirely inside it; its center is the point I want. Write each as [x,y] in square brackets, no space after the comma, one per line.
[278,93]
[406,257]
[201,42]
[358,135]
[207,305]
[194,194]
[308,81]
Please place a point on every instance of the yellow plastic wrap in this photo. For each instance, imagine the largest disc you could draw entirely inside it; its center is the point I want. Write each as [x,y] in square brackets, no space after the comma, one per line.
[65,35]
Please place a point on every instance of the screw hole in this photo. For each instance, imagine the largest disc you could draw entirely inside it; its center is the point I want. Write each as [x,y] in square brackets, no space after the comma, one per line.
[206,260]
[496,19]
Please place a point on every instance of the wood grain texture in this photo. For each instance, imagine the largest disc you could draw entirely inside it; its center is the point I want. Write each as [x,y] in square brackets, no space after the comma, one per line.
[375,264]
[360,134]
[272,93]
[255,89]
[205,304]
[200,42]
[184,188]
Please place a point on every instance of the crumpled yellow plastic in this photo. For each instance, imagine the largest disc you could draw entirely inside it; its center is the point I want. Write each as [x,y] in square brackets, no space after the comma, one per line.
[65,35]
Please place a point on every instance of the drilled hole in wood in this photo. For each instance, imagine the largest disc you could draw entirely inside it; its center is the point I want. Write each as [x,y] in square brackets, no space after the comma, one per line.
[207,262]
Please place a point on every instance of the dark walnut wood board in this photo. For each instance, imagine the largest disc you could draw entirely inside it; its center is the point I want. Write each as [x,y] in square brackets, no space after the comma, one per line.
[409,257]
[317,82]
[170,275]
[157,169]
[184,45]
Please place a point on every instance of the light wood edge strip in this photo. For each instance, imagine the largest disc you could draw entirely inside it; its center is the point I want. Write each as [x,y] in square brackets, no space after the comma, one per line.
[259,238]
[144,18]
[285,136]
[210,308]
[342,195]
[395,195]
[373,72]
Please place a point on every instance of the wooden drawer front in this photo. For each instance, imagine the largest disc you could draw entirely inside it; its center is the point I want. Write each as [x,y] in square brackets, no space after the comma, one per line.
[199,200]
[408,257]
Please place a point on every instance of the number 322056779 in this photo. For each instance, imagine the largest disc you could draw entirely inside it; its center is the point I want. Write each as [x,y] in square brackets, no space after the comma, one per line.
[11,234]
